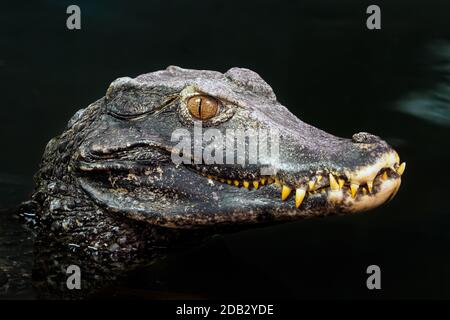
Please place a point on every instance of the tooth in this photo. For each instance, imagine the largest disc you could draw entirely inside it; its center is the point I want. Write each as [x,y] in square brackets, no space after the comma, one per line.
[222,180]
[333,183]
[370,185]
[384,177]
[285,192]
[246,184]
[210,177]
[256,184]
[299,196]
[263,181]
[354,189]
[341,183]
[364,190]
[270,181]
[236,183]
[277,181]
[319,178]
[401,168]
[311,184]
[229,181]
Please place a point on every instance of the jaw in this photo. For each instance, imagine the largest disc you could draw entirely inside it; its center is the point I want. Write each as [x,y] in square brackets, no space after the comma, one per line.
[186,197]
[348,191]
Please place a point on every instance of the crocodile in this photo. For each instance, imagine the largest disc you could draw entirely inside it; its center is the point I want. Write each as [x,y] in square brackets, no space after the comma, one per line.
[108,187]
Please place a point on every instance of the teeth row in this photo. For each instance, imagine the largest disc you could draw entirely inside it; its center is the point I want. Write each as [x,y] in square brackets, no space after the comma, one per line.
[245,183]
[336,184]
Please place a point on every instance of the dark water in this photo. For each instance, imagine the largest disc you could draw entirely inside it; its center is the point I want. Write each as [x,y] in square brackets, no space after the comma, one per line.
[324,65]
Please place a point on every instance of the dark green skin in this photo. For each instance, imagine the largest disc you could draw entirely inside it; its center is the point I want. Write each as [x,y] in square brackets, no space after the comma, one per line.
[85,199]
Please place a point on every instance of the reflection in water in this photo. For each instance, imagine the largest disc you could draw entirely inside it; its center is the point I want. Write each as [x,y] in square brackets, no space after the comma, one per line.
[433,104]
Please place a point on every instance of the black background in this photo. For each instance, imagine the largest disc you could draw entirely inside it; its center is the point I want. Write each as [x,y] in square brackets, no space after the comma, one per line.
[323,64]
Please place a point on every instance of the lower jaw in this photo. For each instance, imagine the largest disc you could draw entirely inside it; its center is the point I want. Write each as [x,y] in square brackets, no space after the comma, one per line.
[328,202]
[384,193]
[320,203]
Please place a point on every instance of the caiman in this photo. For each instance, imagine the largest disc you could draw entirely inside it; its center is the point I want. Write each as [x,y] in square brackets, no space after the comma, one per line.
[109,190]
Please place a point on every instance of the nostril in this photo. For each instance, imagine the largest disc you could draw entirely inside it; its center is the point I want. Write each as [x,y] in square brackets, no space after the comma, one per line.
[364,137]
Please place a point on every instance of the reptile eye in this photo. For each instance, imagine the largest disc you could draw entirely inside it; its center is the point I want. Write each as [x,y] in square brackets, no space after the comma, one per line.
[203,107]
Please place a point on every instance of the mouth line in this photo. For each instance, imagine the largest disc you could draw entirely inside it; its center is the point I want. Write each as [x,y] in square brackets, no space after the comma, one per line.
[317,184]
[354,185]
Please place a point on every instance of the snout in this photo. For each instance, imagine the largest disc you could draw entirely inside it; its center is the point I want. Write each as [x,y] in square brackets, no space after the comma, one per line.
[350,174]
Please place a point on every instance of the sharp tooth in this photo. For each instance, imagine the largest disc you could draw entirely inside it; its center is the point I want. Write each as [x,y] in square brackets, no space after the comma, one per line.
[277,181]
[263,181]
[401,168]
[311,184]
[246,184]
[341,183]
[285,192]
[222,180]
[236,183]
[384,176]
[333,183]
[370,185]
[319,178]
[229,181]
[364,190]
[256,184]
[354,189]
[299,196]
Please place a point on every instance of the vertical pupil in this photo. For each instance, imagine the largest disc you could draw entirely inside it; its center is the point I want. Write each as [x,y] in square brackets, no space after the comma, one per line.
[200,107]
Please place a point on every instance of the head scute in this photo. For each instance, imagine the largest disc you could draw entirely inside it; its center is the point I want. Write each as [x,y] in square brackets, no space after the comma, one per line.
[250,80]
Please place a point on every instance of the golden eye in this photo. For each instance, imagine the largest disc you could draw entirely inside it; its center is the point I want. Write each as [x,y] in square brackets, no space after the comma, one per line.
[203,107]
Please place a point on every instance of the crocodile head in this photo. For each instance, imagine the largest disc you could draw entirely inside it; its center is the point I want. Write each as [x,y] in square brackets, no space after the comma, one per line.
[129,160]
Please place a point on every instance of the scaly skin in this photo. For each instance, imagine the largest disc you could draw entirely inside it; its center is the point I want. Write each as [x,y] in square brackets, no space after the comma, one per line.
[107,186]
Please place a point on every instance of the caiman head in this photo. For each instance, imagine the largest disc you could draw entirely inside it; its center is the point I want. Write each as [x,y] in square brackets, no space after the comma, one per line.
[128,161]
